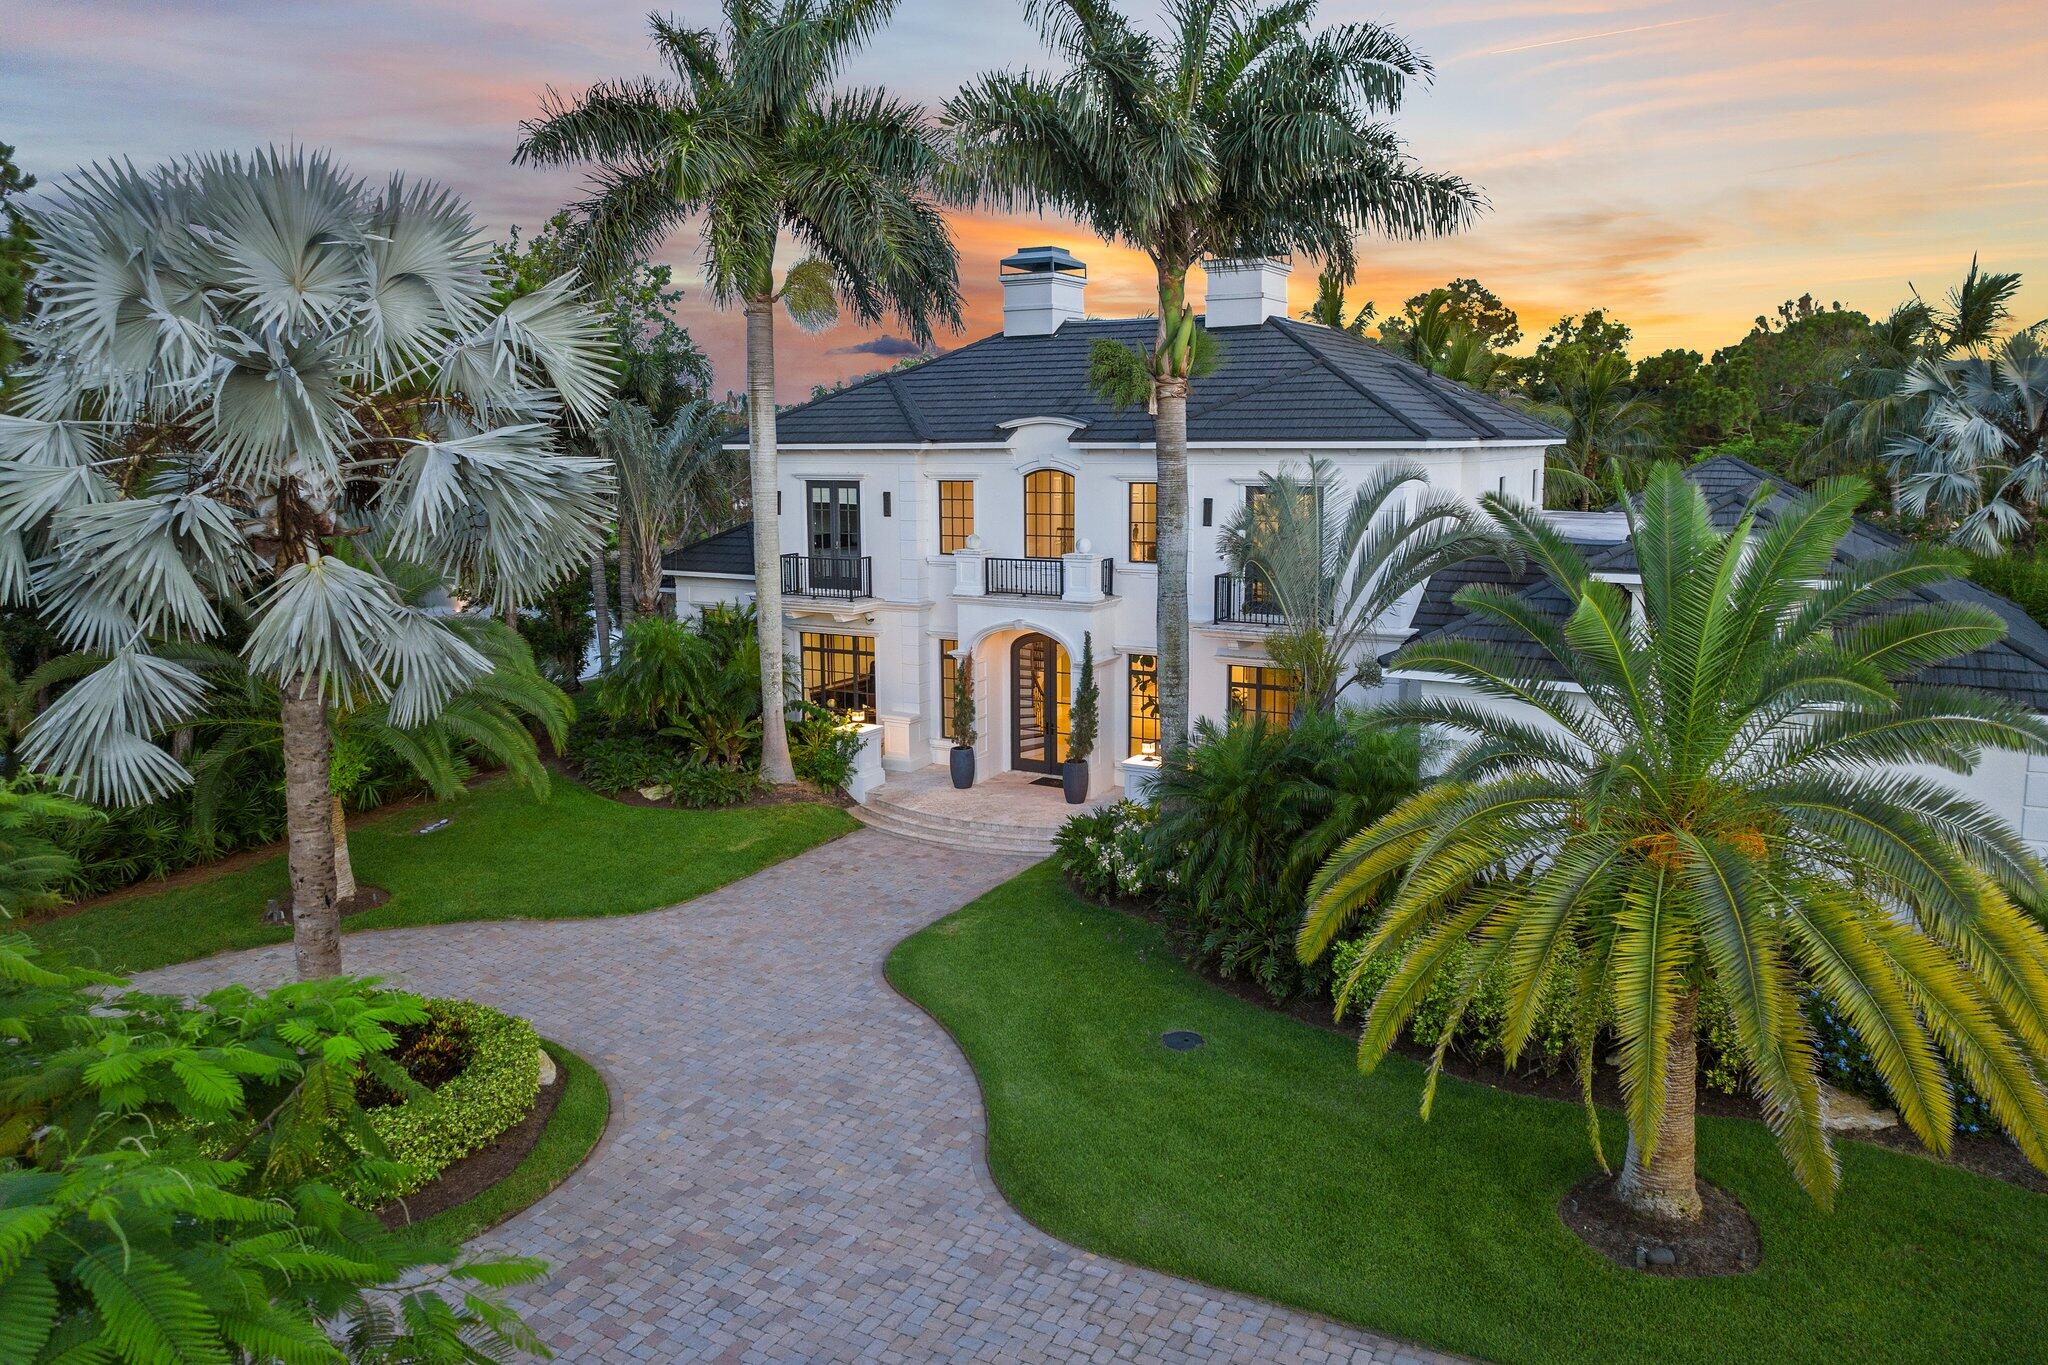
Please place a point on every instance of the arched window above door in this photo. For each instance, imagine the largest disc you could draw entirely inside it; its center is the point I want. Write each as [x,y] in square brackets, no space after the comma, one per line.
[1048,513]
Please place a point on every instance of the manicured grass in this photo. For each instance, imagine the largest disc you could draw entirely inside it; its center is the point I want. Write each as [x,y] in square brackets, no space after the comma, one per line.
[573,1129]
[503,856]
[1266,1162]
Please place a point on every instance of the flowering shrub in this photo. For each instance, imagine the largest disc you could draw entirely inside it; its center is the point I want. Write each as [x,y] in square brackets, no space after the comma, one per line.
[1845,1064]
[1103,853]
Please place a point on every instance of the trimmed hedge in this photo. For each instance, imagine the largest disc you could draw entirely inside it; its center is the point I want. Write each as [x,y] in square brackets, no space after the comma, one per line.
[493,1092]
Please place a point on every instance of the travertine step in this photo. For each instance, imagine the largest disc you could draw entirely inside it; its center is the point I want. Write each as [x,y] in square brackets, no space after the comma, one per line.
[953,833]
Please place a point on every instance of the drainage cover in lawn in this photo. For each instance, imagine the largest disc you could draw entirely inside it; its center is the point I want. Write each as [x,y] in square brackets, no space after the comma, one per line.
[1182,1040]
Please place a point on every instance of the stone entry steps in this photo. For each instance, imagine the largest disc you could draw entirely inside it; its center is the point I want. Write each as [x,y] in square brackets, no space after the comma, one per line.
[891,813]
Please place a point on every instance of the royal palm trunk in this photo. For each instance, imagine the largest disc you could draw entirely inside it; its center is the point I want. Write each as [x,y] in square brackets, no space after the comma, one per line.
[309,828]
[1665,1186]
[1170,436]
[775,765]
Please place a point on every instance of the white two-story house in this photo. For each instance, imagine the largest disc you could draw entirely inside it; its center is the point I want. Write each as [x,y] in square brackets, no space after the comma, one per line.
[985,506]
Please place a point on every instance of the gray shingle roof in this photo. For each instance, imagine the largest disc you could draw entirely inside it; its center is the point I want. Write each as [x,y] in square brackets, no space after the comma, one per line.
[1282,381]
[727,552]
[2016,666]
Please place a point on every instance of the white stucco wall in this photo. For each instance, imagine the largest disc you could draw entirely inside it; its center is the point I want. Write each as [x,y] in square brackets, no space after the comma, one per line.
[915,606]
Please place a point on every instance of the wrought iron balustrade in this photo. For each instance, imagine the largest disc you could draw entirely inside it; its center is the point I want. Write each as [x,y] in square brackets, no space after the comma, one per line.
[841,577]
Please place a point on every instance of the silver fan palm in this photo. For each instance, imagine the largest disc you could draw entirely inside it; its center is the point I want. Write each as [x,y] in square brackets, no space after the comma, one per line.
[1979,452]
[247,379]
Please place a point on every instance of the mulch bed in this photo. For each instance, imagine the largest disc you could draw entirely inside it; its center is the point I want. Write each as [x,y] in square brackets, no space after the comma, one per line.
[365,898]
[1986,1156]
[466,1178]
[1723,1242]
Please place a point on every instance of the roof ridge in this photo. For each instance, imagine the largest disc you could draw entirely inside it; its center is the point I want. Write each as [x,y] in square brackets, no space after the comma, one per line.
[1447,392]
[910,413]
[1287,326]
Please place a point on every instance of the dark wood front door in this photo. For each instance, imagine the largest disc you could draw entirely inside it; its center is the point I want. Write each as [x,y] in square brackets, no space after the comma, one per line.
[1038,704]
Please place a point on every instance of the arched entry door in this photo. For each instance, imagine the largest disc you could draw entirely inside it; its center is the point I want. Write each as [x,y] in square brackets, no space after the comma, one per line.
[1039,691]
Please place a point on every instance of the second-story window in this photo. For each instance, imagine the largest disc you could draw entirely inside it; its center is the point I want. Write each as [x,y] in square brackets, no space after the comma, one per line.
[956,514]
[1144,523]
[1048,513]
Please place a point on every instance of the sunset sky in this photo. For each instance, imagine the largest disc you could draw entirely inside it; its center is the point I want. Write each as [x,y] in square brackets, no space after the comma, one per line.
[1686,166]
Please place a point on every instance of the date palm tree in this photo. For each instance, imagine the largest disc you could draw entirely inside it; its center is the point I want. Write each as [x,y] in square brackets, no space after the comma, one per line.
[1241,133]
[748,132]
[1330,310]
[244,373]
[1715,784]
[1334,569]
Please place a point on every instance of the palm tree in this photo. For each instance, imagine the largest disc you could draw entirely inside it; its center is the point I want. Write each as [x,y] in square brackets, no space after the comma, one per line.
[1329,308]
[749,133]
[1242,133]
[23,699]
[1876,406]
[239,368]
[673,484]
[1711,784]
[1334,572]
[1609,432]
[1438,339]
[1980,450]
[492,717]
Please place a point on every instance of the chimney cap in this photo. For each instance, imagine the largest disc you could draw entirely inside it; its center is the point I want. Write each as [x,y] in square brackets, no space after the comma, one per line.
[1044,260]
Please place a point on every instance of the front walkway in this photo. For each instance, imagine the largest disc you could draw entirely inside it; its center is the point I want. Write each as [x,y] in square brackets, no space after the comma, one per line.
[794,1169]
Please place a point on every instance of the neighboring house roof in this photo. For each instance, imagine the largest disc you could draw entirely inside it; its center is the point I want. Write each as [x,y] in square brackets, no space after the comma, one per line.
[2017,666]
[727,552]
[1281,382]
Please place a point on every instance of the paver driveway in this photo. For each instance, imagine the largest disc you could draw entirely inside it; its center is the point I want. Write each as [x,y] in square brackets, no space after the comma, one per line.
[794,1168]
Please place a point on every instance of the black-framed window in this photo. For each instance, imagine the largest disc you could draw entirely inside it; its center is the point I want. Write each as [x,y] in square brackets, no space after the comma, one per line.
[1048,513]
[949,673]
[1144,523]
[833,517]
[956,514]
[1144,703]
[1257,690]
[839,672]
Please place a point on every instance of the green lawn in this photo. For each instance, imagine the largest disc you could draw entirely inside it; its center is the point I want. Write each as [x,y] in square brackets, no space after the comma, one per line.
[573,1129]
[1266,1162]
[504,856]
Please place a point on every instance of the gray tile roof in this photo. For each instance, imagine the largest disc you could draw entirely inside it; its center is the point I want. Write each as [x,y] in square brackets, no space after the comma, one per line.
[1282,382]
[727,552]
[2016,666]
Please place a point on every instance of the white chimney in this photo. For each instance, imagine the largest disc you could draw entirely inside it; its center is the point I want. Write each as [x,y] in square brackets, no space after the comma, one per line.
[1043,287]
[1244,293]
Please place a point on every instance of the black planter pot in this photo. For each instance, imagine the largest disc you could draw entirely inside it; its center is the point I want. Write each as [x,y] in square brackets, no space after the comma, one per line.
[1074,777]
[962,761]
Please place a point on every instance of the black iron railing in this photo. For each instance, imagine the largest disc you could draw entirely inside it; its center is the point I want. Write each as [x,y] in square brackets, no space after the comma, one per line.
[1246,600]
[1025,577]
[1108,577]
[845,577]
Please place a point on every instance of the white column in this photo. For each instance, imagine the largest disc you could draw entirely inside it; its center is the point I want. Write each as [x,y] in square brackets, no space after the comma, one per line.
[1083,574]
[970,578]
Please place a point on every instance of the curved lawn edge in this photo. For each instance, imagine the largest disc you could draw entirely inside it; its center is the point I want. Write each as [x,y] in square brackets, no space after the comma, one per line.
[503,855]
[573,1133]
[1266,1164]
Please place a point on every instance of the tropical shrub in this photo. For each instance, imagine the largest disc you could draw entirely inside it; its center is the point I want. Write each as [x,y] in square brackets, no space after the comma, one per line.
[1478,1030]
[1248,811]
[433,1126]
[2018,576]
[1103,853]
[700,689]
[821,748]
[33,866]
[165,1181]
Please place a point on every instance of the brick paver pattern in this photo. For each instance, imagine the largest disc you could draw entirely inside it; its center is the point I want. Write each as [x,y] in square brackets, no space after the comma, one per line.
[794,1168]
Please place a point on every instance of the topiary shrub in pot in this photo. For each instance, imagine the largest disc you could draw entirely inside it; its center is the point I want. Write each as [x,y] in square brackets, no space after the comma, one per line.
[962,757]
[1081,732]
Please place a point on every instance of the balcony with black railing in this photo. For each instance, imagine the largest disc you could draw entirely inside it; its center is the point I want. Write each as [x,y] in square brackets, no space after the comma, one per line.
[1246,601]
[842,578]
[1024,577]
